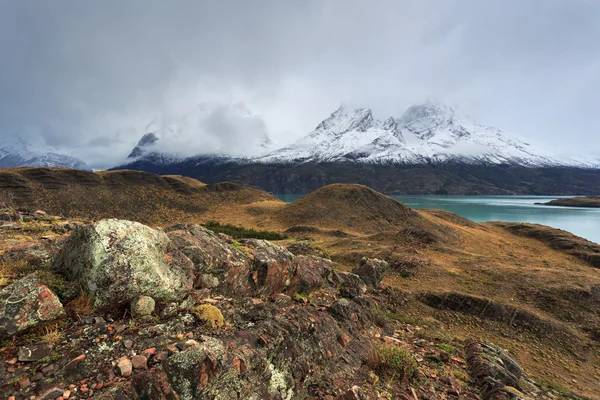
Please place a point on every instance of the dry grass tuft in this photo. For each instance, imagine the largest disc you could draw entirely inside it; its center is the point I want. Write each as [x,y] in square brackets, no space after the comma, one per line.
[52,335]
[82,305]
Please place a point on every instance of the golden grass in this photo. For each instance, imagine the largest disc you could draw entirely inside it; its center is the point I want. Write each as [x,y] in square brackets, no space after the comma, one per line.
[82,305]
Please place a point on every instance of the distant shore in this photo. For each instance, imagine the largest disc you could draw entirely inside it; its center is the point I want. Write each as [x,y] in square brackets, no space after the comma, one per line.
[589,201]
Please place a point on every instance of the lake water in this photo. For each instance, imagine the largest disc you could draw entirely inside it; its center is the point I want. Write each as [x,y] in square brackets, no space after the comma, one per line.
[584,222]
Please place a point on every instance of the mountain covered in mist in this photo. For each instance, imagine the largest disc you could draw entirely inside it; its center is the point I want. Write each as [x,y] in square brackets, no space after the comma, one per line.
[429,133]
[16,153]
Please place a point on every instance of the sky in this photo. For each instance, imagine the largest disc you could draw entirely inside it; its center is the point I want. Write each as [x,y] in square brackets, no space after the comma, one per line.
[90,78]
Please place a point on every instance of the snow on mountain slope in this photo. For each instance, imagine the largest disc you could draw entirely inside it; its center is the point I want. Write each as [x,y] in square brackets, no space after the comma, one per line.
[348,134]
[430,132]
[16,153]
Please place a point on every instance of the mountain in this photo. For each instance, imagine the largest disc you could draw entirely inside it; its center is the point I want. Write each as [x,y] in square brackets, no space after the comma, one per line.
[427,133]
[429,149]
[16,153]
[227,132]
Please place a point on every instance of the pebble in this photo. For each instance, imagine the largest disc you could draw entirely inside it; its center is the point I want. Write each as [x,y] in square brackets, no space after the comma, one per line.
[128,343]
[139,362]
[125,367]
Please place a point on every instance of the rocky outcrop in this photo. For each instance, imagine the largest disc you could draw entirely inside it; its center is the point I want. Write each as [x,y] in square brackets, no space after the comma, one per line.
[493,371]
[217,264]
[25,304]
[118,260]
[371,270]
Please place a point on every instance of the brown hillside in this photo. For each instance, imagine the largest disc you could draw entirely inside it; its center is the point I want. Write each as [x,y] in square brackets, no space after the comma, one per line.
[353,208]
[134,195]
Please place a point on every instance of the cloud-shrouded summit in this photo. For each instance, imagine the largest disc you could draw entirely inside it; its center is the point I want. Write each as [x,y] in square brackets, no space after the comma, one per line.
[90,79]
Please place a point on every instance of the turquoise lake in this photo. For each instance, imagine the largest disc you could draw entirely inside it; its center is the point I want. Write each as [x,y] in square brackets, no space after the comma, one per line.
[584,222]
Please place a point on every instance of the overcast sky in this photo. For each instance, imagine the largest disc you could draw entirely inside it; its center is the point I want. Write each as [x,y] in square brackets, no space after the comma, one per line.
[87,78]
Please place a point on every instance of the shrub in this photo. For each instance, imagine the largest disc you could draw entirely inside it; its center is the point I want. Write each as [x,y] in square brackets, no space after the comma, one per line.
[393,361]
[242,233]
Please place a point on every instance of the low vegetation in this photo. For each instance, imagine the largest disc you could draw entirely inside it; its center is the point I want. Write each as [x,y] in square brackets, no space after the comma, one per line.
[238,232]
[393,362]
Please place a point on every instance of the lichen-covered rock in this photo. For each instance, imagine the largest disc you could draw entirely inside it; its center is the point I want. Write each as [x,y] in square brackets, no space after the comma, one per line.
[38,254]
[311,272]
[27,303]
[118,260]
[371,271]
[352,286]
[492,370]
[217,264]
[142,306]
[274,267]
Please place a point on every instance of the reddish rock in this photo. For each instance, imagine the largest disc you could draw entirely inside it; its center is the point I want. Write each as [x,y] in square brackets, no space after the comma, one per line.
[343,339]
[37,305]
[125,367]
[24,383]
[139,362]
[150,351]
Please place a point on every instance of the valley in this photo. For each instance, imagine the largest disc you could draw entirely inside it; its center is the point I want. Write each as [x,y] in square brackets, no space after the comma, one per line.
[530,289]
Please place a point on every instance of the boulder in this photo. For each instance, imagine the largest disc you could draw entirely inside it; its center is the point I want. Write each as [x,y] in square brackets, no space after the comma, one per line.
[217,264]
[27,303]
[371,271]
[311,271]
[119,260]
[274,267]
[352,286]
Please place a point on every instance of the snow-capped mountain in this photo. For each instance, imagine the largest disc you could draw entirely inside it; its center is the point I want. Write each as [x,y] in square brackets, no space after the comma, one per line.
[16,153]
[222,132]
[428,133]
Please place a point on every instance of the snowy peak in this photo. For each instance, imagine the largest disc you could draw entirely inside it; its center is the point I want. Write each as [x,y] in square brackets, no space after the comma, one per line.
[143,145]
[17,153]
[346,119]
[431,132]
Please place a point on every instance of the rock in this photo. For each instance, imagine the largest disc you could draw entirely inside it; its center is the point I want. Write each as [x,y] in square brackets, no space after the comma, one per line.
[10,225]
[274,267]
[311,272]
[51,394]
[344,309]
[120,260]
[139,362]
[38,254]
[34,352]
[352,286]
[27,303]
[371,271]
[128,343]
[492,370]
[228,267]
[153,385]
[125,367]
[142,306]
[354,394]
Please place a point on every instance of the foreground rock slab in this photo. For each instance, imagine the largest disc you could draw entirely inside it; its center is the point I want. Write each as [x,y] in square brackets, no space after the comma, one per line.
[120,260]
[27,303]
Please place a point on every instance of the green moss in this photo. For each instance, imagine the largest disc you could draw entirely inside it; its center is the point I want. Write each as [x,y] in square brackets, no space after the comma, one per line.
[448,348]
[407,319]
[49,359]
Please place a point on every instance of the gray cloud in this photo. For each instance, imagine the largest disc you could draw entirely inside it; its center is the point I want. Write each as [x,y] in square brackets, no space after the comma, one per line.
[86,78]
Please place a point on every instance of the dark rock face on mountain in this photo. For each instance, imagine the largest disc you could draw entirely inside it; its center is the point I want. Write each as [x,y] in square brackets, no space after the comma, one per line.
[447,178]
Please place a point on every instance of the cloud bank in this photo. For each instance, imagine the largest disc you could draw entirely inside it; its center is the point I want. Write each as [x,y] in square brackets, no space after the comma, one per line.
[87,78]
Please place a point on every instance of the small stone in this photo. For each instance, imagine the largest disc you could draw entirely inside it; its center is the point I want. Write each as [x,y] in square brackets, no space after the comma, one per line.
[142,306]
[281,299]
[125,367]
[99,386]
[128,343]
[149,352]
[24,383]
[139,362]
[66,394]
[39,212]
[12,361]
[162,356]
[343,339]
[51,394]
[190,343]
[34,353]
